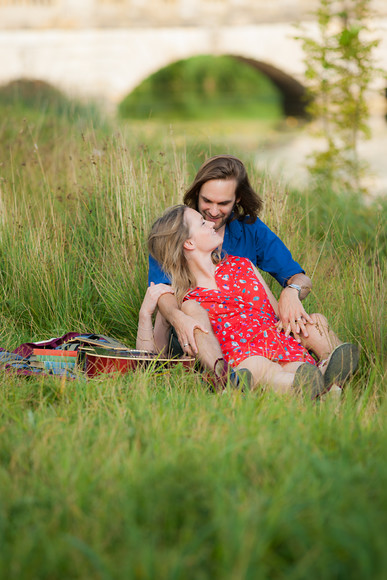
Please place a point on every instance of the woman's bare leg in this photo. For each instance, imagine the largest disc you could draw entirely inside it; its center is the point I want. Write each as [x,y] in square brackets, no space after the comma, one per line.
[297,377]
[266,372]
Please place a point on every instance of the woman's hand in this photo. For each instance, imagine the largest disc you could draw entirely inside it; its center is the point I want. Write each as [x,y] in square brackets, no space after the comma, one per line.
[152,295]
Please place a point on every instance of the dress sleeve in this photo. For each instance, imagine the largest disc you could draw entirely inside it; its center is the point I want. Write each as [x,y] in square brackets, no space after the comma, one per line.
[273,256]
[156,274]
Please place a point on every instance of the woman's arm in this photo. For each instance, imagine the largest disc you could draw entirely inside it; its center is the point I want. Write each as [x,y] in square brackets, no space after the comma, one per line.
[147,339]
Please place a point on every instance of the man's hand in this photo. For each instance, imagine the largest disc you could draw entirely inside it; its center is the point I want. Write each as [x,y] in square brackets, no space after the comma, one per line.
[292,315]
[185,326]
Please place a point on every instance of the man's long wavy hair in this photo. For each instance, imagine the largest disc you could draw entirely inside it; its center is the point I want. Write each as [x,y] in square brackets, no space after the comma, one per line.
[166,245]
[227,167]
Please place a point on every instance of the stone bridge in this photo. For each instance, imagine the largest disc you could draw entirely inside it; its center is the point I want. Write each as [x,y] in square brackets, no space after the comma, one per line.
[104,48]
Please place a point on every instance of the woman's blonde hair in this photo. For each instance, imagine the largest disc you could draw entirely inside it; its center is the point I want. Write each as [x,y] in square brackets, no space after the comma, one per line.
[166,245]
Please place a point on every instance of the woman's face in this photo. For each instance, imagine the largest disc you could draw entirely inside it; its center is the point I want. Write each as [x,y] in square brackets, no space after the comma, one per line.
[202,232]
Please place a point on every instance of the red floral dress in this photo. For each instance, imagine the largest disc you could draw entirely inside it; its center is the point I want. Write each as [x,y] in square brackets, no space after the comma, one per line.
[243,318]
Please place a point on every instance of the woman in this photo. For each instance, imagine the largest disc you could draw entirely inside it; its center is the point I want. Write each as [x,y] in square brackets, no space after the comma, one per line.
[241,307]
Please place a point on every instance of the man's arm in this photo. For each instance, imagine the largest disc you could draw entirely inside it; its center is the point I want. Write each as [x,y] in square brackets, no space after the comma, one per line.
[274,257]
[182,323]
[270,253]
[292,315]
[269,293]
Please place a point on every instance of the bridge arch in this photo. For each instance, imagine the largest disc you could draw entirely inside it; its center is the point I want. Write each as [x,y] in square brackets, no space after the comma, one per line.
[294,95]
[292,92]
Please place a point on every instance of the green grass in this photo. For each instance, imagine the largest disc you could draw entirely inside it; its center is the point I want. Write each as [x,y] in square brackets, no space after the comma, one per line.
[150,476]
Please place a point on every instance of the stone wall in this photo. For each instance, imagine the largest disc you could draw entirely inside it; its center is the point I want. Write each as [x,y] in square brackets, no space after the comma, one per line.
[73,14]
[105,48]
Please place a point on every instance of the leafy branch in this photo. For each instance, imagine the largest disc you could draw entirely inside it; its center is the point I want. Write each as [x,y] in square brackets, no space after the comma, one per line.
[339,71]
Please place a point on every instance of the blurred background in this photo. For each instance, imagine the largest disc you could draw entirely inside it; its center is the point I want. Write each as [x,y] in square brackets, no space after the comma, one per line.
[227,71]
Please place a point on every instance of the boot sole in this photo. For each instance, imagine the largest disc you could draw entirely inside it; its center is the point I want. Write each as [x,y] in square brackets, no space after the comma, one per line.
[308,380]
[343,362]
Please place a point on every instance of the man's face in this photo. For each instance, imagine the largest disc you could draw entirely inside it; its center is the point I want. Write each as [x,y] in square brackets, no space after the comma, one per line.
[216,201]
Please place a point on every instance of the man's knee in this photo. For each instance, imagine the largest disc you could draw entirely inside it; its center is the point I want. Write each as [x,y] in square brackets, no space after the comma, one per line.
[319,319]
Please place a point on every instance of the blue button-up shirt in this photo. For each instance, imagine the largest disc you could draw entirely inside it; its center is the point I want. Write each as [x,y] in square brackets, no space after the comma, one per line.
[253,241]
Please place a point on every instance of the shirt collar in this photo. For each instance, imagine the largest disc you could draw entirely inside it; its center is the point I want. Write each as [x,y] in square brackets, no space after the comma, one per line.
[233,228]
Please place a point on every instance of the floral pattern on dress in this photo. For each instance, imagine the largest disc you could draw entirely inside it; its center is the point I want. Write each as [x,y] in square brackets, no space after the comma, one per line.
[243,318]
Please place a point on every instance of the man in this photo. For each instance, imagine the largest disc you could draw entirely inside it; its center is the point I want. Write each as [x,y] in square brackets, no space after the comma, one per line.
[222,193]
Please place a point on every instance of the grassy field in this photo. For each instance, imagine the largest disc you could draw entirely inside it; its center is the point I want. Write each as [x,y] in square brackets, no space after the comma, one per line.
[150,476]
